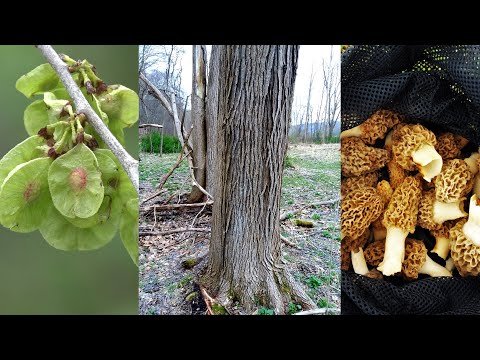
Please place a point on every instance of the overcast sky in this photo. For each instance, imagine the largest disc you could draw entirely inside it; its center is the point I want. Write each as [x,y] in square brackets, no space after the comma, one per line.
[310,56]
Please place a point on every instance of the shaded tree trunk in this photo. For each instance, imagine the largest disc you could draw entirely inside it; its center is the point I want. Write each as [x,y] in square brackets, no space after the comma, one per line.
[255,93]
[198,120]
[211,117]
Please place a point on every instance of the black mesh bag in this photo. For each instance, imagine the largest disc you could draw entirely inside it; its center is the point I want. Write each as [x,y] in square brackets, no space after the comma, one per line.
[439,87]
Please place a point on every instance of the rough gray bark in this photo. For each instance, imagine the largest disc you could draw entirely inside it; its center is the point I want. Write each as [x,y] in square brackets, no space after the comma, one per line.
[198,120]
[255,93]
[211,117]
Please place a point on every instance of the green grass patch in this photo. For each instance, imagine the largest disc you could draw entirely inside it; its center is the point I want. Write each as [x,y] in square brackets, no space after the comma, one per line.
[151,143]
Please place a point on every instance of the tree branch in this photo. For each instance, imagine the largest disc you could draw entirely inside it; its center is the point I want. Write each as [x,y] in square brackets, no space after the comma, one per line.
[129,164]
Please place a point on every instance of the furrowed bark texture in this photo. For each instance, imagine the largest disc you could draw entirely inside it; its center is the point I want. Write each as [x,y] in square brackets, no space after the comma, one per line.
[255,93]
[198,120]
[211,117]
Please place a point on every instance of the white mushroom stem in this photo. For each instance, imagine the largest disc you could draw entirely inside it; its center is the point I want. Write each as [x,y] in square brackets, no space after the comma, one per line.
[359,263]
[449,264]
[471,229]
[442,247]
[428,160]
[447,211]
[433,269]
[394,251]
[472,162]
[388,140]
[353,132]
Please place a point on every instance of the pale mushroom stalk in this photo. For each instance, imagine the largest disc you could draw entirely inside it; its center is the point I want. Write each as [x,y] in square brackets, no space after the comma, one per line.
[394,251]
[476,185]
[355,131]
[447,211]
[471,229]
[358,262]
[433,269]
[442,247]
[450,264]
[428,160]
[472,162]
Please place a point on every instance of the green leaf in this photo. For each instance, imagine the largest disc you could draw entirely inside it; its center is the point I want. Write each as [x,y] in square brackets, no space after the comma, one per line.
[25,151]
[125,188]
[129,228]
[63,235]
[75,183]
[25,196]
[95,104]
[121,104]
[42,78]
[110,170]
[35,117]
[116,129]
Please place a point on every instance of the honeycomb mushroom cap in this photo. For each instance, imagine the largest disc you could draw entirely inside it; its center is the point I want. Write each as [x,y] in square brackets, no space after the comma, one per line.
[461,141]
[402,209]
[349,243]
[454,182]
[425,211]
[415,257]
[447,146]
[375,127]
[396,173]
[358,210]
[374,252]
[385,191]
[358,182]
[345,257]
[442,237]
[465,254]
[407,140]
[358,159]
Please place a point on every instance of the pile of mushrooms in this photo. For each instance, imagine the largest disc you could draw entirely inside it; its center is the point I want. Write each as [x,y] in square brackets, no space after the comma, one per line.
[397,177]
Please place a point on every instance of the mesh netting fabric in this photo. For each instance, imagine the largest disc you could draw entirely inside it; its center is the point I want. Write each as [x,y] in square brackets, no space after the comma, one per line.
[433,85]
[439,87]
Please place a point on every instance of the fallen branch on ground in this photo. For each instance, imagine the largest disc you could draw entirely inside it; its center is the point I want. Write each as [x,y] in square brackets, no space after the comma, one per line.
[174,231]
[288,242]
[176,206]
[318,311]
[129,164]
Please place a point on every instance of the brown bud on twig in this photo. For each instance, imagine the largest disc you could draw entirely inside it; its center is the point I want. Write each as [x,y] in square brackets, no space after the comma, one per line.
[80,138]
[50,142]
[90,88]
[43,132]
[92,144]
[101,87]
[52,153]
[71,69]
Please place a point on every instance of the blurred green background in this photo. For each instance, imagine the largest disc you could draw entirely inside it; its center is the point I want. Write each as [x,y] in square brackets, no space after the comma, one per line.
[36,278]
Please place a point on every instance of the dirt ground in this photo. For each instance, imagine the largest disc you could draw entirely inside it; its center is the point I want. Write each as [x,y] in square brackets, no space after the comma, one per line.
[312,177]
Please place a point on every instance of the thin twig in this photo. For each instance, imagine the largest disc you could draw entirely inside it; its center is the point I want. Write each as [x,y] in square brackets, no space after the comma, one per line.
[129,164]
[175,206]
[326,202]
[196,216]
[288,242]
[174,231]
[165,178]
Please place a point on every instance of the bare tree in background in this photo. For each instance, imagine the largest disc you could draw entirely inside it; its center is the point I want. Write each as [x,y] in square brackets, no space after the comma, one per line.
[308,110]
[331,88]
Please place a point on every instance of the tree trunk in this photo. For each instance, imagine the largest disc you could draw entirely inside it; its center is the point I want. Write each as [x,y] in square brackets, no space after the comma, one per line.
[255,94]
[211,118]
[198,120]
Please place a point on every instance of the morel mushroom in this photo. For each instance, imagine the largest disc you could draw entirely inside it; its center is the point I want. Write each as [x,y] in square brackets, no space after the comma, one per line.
[433,213]
[413,146]
[375,252]
[465,254]
[375,127]
[357,182]
[349,244]
[358,159]
[400,218]
[442,239]
[396,173]
[418,262]
[447,147]
[358,210]
[385,191]
[454,181]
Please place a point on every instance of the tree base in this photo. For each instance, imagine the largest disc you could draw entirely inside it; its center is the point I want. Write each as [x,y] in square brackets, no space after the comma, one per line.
[273,290]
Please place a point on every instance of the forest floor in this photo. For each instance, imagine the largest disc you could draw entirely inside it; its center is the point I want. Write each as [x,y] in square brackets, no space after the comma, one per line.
[312,176]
